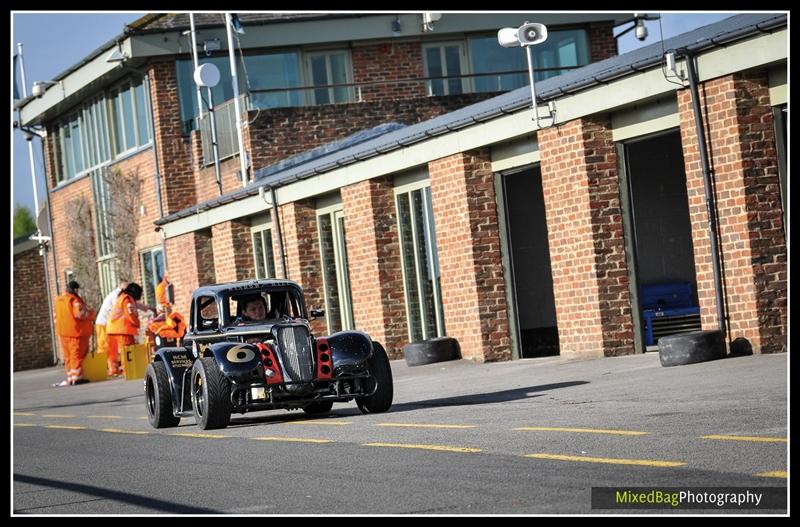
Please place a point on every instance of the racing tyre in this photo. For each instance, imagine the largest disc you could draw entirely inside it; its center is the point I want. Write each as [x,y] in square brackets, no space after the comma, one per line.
[158,398]
[688,348]
[380,373]
[432,350]
[211,395]
[322,407]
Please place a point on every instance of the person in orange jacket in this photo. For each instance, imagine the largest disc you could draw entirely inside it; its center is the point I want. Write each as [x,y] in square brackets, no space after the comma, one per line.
[162,300]
[74,329]
[122,326]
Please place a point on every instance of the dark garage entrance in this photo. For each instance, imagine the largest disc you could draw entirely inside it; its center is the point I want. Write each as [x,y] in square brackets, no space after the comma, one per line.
[531,281]
[658,234]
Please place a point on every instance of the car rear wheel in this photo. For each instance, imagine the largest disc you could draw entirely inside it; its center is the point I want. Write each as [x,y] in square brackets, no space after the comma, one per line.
[158,397]
[211,395]
[380,373]
[322,407]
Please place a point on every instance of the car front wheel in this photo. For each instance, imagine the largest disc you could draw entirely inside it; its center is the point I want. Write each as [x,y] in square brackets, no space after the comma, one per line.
[380,373]
[158,397]
[211,395]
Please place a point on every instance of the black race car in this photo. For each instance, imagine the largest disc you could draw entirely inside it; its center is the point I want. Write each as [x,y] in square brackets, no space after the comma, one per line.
[230,362]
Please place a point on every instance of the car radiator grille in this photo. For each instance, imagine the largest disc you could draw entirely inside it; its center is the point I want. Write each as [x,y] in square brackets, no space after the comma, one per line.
[296,352]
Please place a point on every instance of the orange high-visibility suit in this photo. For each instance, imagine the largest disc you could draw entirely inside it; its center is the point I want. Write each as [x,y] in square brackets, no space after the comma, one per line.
[74,329]
[161,295]
[122,326]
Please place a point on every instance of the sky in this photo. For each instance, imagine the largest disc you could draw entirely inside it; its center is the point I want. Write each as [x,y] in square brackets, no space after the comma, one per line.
[53,42]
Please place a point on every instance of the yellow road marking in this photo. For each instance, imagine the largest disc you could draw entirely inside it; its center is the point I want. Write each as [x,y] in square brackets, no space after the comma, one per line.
[24,424]
[68,427]
[206,436]
[23,413]
[119,431]
[773,474]
[581,430]
[141,417]
[421,425]
[293,439]
[746,438]
[426,447]
[58,415]
[317,422]
[104,416]
[612,461]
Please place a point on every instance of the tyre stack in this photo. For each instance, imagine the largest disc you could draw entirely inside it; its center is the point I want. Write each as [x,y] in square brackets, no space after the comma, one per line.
[439,349]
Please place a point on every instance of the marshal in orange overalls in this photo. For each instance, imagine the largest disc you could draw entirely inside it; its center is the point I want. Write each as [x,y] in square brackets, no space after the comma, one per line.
[122,326]
[74,329]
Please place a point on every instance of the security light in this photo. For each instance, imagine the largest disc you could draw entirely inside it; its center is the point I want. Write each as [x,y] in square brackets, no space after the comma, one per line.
[39,87]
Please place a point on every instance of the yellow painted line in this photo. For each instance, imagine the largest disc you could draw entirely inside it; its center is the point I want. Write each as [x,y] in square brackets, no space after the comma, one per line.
[581,430]
[443,448]
[746,438]
[609,460]
[104,416]
[25,425]
[293,439]
[58,415]
[119,431]
[421,425]
[206,436]
[68,427]
[319,422]
[142,417]
[773,474]
[23,413]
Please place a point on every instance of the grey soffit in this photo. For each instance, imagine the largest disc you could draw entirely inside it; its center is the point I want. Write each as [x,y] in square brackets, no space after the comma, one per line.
[731,29]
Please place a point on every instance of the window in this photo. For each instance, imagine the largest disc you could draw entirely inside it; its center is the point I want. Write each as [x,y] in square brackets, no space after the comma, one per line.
[333,252]
[444,60]
[102,203]
[208,314]
[421,275]
[270,72]
[152,261]
[330,67]
[69,276]
[107,269]
[187,89]
[130,113]
[262,248]
[487,56]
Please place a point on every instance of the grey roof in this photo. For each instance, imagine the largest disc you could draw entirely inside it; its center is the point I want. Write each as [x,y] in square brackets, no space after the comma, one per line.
[737,27]
[178,21]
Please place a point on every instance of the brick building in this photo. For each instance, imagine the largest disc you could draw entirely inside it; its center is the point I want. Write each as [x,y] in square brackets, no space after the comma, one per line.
[414,208]
[33,342]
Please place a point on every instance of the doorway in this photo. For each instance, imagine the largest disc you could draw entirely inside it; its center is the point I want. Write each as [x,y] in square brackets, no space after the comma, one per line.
[658,238]
[528,264]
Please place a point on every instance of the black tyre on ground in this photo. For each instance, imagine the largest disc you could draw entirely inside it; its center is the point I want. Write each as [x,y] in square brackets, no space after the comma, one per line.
[322,407]
[380,373]
[211,395]
[432,350]
[158,397]
[688,348]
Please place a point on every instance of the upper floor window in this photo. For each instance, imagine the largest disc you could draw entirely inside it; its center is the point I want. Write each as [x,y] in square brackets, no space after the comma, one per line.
[152,261]
[445,59]
[326,68]
[129,111]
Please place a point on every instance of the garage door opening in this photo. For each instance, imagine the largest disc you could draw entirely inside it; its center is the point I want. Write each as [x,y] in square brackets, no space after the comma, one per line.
[528,258]
[659,235]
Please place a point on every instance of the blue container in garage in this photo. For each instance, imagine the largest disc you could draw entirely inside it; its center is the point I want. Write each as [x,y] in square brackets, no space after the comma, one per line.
[668,309]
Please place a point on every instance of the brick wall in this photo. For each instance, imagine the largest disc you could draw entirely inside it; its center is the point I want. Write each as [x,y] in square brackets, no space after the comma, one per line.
[602,43]
[282,132]
[373,253]
[33,345]
[233,251]
[191,265]
[587,250]
[301,243]
[389,61]
[468,240]
[174,151]
[741,144]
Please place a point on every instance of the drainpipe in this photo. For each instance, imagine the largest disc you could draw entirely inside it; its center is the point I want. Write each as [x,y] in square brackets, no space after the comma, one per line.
[262,193]
[707,184]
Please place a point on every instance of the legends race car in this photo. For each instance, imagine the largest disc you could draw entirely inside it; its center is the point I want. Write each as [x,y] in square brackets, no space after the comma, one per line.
[230,361]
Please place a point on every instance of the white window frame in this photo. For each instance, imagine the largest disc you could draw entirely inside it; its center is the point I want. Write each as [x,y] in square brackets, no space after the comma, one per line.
[466,86]
[309,74]
[341,264]
[259,225]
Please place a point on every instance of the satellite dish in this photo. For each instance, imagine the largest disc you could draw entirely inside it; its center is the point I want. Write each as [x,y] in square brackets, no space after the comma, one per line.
[206,75]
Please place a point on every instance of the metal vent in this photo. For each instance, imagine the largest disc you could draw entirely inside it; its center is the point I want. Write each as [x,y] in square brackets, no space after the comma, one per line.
[296,353]
[663,326]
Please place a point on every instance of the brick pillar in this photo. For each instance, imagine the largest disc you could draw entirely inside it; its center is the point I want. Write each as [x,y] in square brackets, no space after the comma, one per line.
[301,243]
[191,264]
[602,43]
[587,249]
[233,251]
[473,290]
[744,161]
[373,252]
[174,151]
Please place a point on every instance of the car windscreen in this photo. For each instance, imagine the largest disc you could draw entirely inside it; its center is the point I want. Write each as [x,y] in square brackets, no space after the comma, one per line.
[263,306]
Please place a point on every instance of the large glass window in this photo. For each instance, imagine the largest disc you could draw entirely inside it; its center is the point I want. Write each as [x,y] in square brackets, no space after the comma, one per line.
[271,72]
[335,274]
[187,89]
[330,67]
[262,252]
[444,60]
[130,114]
[421,275]
[152,261]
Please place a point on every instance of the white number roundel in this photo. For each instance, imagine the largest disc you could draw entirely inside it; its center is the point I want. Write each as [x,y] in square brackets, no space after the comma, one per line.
[240,354]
